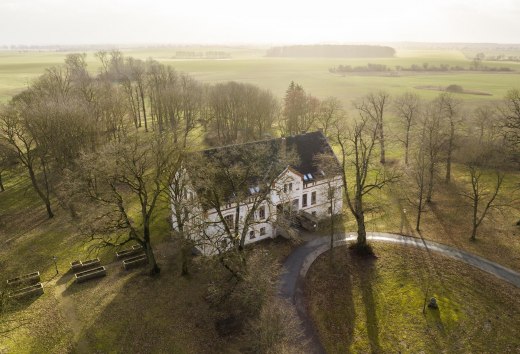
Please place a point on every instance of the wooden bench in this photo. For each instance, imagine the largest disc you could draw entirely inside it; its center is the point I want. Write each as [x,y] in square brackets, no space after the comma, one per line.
[32,290]
[90,274]
[79,265]
[30,278]
[136,249]
[135,262]
[75,266]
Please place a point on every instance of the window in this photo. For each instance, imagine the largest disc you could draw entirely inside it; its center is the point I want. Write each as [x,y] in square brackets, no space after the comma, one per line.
[262,231]
[304,201]
[313,198]
[285,188]
[261,212]
[290,186]
[229,220]
[252,234]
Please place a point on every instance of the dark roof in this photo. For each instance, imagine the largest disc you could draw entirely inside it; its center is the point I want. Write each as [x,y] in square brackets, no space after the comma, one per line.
[274,156]
[305,146]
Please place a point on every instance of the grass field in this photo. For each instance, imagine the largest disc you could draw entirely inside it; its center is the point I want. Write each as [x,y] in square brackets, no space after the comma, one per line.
[251,66]
[364,305]
[69,318]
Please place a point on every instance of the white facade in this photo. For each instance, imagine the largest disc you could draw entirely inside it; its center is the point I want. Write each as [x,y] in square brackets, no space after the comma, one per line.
[291,189]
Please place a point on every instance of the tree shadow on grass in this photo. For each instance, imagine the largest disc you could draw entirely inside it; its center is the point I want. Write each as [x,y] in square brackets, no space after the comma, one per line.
[367,275]
[346,316]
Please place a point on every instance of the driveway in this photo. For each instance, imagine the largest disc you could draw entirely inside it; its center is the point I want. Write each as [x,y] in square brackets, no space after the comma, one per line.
[300,260]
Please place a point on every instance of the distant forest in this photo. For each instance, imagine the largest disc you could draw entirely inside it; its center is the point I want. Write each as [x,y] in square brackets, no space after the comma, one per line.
[332,51]
[425,67]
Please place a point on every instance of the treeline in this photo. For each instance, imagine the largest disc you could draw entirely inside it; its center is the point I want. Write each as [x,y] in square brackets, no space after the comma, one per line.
[500,57]
[97,139]
[425,67]
[332,51]
[202,55]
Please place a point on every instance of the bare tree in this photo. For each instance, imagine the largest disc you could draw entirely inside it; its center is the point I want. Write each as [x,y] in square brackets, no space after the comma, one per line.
[240,112]
[481,195]
[510,114]
[408,109]
[7,161]
[15,133]
[450,109]
[435,140]
[486,123]
[420,169]
[122,183]
[331,111]
[237,179]
[360,175]
[373,106]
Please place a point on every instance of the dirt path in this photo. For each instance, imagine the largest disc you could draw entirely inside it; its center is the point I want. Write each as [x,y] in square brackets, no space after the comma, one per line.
[300,260]
[68,310]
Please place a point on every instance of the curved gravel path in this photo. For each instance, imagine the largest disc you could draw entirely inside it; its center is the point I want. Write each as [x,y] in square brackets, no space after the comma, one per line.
[299,261]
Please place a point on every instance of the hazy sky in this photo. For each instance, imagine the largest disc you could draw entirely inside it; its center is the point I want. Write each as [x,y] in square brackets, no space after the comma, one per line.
[250,21]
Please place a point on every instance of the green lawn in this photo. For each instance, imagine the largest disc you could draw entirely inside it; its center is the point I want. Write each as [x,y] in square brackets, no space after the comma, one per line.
[375,305]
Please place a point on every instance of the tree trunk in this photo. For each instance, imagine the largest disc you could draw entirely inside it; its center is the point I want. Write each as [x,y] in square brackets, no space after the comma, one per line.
[474,221]
[419,211]
[1,183]
[362,233]
[42,196]
[138,107]
[154,268]
[450,148]
[141,92]
[331,228]
[406,146]
[430,183]
[473,233]
[382,142]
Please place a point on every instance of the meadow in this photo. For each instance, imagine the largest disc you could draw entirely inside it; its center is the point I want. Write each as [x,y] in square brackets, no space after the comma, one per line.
[250,65]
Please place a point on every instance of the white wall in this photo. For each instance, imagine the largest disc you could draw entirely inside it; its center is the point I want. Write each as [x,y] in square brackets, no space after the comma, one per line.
[278,195]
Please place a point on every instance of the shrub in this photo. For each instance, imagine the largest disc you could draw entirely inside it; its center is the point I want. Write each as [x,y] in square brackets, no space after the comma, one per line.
[455,88]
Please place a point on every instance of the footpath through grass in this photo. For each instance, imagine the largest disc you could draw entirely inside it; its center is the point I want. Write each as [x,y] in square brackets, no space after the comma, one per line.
[375,305]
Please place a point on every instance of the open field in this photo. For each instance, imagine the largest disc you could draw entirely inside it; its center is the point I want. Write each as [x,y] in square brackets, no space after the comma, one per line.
[251,66]
[364,305]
